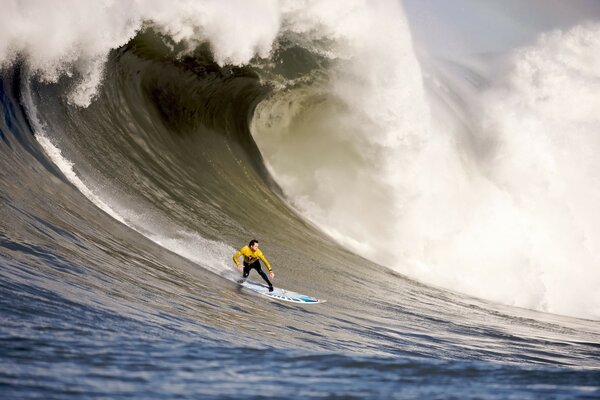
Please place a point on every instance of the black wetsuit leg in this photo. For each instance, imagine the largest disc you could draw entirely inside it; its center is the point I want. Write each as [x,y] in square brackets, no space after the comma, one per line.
[256,265]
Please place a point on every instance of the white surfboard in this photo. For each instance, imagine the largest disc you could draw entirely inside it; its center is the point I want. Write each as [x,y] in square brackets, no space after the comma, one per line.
[280,294]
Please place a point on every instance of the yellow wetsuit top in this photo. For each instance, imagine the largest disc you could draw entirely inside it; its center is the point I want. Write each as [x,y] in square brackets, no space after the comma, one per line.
[250,256]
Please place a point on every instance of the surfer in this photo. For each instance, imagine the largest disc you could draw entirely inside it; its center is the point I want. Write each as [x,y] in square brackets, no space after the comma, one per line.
[252,257]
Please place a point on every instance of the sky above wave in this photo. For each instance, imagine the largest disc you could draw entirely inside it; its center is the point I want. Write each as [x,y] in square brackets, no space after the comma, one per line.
[475,26]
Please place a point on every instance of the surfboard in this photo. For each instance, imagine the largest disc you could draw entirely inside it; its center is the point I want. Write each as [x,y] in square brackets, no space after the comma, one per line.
[278,293]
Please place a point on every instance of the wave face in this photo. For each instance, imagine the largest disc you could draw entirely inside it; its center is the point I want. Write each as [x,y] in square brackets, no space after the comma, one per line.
[137,160]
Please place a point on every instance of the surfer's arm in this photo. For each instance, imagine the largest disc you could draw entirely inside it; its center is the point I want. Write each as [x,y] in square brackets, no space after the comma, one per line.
[264,260]
[236,257]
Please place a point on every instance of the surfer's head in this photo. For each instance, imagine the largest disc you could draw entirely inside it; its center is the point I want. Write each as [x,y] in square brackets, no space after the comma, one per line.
[253,244]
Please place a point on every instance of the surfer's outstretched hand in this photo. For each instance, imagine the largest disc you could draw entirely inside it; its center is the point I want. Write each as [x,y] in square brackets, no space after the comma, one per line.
[240,268]
[272,274]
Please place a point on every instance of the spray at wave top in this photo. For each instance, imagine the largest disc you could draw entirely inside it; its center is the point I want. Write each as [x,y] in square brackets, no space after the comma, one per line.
[356,154]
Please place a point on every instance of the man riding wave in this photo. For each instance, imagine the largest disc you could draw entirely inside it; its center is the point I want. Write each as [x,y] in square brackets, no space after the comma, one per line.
[252,257]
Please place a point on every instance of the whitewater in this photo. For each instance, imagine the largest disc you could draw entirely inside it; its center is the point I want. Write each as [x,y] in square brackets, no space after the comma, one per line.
[437,187]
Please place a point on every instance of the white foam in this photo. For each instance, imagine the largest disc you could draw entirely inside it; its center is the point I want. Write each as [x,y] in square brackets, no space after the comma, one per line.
[76,36]
[516,220]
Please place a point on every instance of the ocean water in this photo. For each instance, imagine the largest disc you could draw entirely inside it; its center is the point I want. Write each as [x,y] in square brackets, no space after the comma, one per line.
[441,198]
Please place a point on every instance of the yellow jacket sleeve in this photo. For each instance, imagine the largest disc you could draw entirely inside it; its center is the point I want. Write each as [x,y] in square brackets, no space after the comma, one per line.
[264,259]
[236,256]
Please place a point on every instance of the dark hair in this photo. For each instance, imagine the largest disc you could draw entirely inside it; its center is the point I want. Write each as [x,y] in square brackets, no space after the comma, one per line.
[252,242]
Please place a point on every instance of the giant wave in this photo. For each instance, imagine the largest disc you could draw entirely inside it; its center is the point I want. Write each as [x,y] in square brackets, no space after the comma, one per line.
[433,201]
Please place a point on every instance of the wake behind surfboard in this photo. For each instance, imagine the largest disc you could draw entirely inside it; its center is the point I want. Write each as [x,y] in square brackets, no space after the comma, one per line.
[280,294]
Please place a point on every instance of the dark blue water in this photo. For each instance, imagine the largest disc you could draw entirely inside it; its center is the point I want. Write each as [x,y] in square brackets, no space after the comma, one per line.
[55,348]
